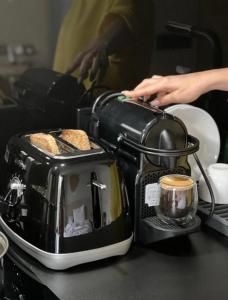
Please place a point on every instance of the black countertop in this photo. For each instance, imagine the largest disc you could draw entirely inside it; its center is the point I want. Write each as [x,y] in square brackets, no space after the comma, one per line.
[186,268]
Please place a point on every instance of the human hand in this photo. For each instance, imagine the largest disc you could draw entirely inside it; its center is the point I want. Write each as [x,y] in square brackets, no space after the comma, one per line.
[171,89]
[92,62]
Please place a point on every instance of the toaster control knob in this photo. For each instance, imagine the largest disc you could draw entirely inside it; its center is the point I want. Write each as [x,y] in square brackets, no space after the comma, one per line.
[16,184]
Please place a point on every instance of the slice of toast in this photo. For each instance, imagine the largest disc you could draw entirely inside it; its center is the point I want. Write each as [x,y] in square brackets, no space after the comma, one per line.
[78,138]
[45,142]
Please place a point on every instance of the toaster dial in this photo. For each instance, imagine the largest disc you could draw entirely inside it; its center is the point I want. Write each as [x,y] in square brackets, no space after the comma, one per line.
[16,184]
[12,199]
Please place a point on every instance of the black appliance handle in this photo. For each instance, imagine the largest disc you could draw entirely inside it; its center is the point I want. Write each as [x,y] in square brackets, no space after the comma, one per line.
[108,95]
[145,104]
[194,147]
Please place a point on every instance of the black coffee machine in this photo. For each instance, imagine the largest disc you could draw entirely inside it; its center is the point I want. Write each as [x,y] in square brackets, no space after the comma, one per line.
[148,143]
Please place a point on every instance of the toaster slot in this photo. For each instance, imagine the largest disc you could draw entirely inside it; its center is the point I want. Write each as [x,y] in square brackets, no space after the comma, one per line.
[63,148]
[56,135]
[95,201]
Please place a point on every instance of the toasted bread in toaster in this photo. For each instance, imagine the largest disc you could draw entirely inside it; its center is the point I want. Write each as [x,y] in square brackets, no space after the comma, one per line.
[45,142]
[78,138]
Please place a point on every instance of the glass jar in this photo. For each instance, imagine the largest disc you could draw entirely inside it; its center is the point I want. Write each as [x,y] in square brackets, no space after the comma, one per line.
[178,199]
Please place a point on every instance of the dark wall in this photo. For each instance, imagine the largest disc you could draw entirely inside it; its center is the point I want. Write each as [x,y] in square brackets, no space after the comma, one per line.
[214,15]
[206,14]
[178,53]
[169,50]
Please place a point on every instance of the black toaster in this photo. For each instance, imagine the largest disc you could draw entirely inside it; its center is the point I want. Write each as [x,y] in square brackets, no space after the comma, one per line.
[64,209]
[148,144]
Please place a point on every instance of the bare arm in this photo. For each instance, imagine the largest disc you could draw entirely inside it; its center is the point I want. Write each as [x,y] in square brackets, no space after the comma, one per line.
[181,88]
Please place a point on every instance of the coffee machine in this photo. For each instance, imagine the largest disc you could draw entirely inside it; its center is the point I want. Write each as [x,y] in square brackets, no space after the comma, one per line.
[148,143]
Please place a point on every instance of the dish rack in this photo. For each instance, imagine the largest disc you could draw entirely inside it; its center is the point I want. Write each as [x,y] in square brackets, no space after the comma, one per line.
[219,220]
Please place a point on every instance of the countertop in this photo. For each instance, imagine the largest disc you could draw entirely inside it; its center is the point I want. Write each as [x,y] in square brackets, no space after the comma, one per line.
[185,268]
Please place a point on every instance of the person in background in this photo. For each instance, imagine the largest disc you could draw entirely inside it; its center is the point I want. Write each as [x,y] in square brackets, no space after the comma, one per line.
[108,41]
[180,88]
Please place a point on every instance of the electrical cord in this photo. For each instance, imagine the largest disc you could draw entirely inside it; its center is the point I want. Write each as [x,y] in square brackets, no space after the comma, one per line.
[208,185]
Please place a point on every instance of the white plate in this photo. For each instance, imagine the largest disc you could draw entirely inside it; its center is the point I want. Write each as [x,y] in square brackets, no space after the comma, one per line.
[200,124]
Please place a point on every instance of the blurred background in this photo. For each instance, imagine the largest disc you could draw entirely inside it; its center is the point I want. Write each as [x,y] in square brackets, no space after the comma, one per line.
[29,29]
[187,36]
[28,32]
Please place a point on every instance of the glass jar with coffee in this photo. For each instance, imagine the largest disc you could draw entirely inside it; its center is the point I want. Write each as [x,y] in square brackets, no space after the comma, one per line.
[178,199]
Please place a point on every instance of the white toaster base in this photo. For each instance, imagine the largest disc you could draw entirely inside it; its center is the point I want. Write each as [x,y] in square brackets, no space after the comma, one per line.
[66,260]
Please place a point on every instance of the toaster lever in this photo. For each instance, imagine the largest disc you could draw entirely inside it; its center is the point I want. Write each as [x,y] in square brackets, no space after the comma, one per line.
[99,185]
[95,185]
